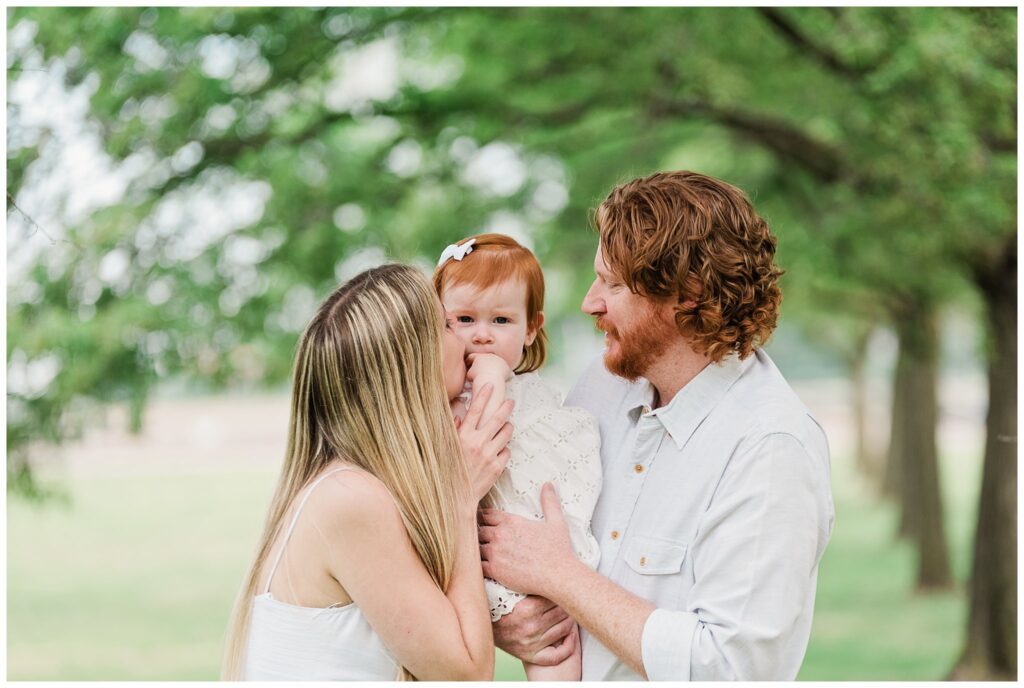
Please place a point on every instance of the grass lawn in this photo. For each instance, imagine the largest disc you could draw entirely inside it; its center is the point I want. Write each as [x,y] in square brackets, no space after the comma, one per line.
[134,579]
[868,625]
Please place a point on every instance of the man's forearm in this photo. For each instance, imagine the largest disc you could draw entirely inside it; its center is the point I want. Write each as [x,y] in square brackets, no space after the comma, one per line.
[610,613]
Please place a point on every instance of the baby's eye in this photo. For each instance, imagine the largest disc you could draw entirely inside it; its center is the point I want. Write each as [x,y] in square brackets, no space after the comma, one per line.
[502,320]
[447,324]
[464,319]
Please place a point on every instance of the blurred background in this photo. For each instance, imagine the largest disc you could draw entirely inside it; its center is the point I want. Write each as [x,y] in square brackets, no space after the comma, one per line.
[185,185]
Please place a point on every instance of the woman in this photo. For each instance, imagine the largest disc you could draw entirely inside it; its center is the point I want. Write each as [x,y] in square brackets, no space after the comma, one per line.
[368,566]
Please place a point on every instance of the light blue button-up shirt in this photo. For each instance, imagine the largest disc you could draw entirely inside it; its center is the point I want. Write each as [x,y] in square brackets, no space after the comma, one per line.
[716,508]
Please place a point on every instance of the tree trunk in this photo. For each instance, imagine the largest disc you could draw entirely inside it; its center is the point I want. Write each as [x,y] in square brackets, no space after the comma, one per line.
[892,483]
[20,479]
[866,461]
[136,408]
[991,647]
[921,515]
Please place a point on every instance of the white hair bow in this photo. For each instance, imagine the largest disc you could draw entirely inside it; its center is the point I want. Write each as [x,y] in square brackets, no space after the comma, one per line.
[455,251]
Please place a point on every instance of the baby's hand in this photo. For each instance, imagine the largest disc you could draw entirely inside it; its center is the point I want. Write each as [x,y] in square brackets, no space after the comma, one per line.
[491,367]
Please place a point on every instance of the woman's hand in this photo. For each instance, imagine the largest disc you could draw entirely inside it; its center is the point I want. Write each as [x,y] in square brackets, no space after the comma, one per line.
[484,442]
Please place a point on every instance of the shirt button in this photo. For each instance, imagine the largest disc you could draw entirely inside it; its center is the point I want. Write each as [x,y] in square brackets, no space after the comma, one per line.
[638,468]
[615,535]
[646,410]
[643,561]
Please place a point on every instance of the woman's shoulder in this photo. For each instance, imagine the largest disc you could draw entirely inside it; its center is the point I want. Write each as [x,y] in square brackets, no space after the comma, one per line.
[353,496]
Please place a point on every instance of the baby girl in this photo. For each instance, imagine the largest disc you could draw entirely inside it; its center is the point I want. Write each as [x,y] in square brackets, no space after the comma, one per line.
[492,289]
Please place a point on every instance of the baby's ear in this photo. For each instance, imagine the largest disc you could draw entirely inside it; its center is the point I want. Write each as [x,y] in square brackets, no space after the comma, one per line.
[531,333]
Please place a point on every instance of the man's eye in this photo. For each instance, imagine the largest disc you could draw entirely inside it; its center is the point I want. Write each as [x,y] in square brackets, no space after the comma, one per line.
[502,320]
[464,319]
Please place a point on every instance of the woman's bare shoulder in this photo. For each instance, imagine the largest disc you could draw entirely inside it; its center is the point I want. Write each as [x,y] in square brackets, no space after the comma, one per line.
[355,498]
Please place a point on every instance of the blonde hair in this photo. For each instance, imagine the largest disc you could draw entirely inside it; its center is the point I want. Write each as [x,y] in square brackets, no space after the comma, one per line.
[369,388]
[494,259]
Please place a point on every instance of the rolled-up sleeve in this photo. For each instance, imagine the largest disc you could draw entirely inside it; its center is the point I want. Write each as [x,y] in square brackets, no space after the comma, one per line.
[664,646]
[747,615]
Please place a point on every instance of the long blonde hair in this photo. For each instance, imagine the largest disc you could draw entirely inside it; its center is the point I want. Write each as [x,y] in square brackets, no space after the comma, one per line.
[369,388]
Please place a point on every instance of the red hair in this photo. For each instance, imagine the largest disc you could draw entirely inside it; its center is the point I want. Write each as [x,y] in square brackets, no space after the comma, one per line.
[697,240]
[496,258]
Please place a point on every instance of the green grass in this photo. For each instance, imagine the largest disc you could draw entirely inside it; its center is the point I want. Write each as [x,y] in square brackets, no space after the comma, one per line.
[135,579]
[868,622]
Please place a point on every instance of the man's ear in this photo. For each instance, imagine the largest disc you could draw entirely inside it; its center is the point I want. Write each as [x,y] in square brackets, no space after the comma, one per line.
[694,287]
[531,333]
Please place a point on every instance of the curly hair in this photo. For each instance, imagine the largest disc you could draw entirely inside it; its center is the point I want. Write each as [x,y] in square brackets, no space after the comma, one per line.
[695,239]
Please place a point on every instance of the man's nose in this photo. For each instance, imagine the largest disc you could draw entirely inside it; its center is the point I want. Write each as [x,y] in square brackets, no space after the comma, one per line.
[592,304]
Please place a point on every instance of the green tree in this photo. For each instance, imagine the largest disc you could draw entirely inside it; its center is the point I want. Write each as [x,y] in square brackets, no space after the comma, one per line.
[880,141]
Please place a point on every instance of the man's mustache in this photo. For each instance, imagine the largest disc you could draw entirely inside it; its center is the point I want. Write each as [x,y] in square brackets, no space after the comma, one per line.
[600,324]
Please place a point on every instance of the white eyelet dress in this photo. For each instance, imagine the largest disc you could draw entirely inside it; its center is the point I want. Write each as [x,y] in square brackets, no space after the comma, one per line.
[550,443]
[291,643]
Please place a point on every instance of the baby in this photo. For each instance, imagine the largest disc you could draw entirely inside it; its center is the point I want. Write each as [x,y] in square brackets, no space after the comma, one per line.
[493,294]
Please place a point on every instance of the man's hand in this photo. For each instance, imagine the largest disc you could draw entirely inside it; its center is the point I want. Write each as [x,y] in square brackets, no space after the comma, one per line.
[526,555]
[536,631]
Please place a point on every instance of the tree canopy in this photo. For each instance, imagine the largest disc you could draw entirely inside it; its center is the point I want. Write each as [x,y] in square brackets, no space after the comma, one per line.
[264,154]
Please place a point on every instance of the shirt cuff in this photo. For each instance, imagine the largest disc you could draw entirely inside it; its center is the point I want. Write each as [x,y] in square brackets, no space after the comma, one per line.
[665,644]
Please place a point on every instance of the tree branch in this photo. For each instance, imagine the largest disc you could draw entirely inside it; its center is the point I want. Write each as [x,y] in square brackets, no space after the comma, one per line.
[32,223]
[1000,144]
[795,37]
[781,137]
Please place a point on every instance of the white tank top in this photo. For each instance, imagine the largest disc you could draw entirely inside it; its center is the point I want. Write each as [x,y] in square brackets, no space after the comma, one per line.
[291,643]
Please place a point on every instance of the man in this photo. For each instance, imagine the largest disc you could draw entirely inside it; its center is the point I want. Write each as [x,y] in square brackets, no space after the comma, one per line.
[716,506]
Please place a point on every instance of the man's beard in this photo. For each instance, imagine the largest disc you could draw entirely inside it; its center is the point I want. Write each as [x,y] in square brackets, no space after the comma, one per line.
[638,348]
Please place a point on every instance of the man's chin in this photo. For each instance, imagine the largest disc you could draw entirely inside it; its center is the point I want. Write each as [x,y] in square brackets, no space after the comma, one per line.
[614,363]
[612,354]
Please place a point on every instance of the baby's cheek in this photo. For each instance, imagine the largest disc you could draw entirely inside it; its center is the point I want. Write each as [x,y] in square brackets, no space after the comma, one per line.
[513,361]
[520,346]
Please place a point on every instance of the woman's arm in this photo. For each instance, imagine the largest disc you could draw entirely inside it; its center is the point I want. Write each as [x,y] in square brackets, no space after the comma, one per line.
[435,635]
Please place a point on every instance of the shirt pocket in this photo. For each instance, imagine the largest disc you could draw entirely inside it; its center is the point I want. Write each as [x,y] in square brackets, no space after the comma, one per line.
[649,555]
[655,569]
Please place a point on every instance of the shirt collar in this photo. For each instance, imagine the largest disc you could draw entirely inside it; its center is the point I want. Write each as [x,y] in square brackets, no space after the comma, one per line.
[639,398]
[692,404]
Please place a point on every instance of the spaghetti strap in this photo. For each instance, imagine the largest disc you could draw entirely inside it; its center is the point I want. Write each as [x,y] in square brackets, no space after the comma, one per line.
[295,520]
